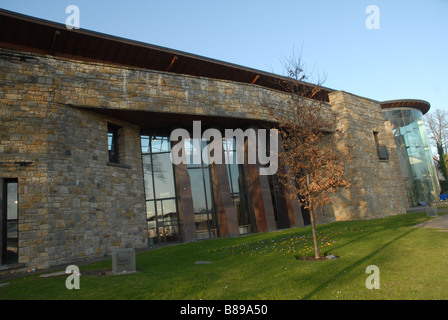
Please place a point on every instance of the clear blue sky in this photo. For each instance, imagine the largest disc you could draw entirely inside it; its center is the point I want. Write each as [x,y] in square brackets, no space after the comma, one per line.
[407,58]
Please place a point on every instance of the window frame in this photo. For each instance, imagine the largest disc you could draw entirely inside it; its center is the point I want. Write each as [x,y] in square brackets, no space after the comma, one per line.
[5,258]
[113,147]
[159,222]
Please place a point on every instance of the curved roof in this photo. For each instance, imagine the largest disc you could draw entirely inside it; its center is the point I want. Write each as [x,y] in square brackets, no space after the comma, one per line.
[18,31]
[421,105]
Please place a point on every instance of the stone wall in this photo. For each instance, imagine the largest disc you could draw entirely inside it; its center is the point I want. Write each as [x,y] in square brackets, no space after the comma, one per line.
[73,205]
[377,186]
[47,79]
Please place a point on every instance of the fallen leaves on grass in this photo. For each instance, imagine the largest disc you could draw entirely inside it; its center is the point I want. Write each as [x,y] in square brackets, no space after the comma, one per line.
[299,245]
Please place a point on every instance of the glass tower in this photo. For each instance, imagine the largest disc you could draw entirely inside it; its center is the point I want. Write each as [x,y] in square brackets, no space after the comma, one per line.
[414,153]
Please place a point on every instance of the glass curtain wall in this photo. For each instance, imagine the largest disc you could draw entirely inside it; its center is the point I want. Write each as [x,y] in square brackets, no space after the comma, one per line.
[238,188]
[414,154]
[202,192]
[161,205]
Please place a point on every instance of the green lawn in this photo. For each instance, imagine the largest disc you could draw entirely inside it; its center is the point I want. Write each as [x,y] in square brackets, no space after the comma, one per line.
[412,263]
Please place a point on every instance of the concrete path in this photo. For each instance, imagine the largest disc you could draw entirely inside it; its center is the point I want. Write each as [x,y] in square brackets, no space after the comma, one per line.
[436,223]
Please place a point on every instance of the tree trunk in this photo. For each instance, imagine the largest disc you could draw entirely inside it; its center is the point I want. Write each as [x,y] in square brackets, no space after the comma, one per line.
[313,228]
[313,223]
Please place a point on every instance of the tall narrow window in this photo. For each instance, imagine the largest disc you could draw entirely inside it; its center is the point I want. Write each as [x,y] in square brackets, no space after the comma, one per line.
[112,142]
[161,205]
[238,188]
[9,221]
[202,192]
[382,150]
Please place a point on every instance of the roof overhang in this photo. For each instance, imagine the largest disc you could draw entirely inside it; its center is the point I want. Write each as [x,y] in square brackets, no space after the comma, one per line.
[31,34]
[160,121]
[421,105]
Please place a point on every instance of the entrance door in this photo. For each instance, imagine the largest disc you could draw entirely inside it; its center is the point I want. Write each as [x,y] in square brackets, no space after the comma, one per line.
[9,221]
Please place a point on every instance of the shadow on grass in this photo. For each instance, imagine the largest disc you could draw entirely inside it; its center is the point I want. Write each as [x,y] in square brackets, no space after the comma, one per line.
[353,266]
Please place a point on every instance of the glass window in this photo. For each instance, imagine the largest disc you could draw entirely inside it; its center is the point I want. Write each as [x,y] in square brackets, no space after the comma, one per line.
[145,144]
[161,207]
[199,190]
[238,189]
[112,142]
[150,210]
[160,144]
[162,170]
[148,178]
[9,232]
[415,156]
[193,151]
[202,192]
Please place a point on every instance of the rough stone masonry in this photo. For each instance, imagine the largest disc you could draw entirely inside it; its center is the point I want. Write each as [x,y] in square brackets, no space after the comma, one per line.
[74,205]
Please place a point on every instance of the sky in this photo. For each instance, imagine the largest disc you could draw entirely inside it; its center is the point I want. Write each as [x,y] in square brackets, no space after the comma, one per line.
[405,57]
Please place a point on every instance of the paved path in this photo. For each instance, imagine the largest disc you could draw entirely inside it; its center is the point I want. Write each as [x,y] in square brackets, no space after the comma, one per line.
[436,223]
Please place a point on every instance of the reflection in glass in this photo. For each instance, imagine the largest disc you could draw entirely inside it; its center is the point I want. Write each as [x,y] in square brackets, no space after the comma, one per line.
[163,176]
[160,144]
[9,232]
[161,208]
[201,188]
[238,188]
[193,153]
[414,153]
[148,178]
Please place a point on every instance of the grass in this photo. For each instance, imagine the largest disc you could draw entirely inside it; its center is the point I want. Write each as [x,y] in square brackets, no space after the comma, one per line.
[412,264]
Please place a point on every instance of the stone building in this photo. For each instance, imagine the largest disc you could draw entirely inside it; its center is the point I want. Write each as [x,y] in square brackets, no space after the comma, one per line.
[85,167]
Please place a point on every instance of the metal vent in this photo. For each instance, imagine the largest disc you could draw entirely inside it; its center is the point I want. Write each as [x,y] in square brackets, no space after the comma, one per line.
[123,261]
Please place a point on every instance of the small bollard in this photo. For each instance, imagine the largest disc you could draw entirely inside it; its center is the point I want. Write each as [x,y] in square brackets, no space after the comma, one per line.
[123,261]
[431,211]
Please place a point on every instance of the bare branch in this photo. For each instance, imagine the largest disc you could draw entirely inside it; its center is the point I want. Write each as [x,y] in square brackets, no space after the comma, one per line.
[437,125]
[314,165]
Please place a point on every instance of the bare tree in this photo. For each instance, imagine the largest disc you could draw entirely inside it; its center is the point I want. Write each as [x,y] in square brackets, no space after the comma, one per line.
[437,124]
[314,165]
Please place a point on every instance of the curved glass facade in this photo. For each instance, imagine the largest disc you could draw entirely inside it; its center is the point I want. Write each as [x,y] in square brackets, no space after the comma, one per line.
[414,153]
